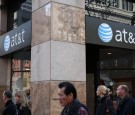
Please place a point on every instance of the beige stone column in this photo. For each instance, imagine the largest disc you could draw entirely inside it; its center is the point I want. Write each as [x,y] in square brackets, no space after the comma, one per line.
[58,52]
[4,79]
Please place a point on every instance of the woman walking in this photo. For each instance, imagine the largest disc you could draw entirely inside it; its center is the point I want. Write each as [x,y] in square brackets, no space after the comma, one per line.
[104,103]
[22,103]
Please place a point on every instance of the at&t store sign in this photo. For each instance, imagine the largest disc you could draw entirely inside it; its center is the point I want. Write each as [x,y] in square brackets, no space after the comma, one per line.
[16,39]
[109,33]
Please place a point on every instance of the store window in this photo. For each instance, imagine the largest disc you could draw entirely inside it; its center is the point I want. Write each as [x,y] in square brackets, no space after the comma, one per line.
[21,69]
[18,13]
[117,66]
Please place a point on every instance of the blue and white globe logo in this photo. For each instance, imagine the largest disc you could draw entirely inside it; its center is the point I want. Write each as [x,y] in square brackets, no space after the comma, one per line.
[105,32]
[7,43]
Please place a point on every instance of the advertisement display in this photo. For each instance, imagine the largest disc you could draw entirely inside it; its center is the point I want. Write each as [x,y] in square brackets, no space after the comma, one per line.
[16,39]
[109,33]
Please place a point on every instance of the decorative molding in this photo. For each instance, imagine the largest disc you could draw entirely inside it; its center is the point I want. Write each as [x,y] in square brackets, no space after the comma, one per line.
[106,11]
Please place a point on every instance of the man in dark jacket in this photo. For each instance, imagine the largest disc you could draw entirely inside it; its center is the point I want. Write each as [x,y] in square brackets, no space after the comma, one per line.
[126,105]
[10,108]
[68,99]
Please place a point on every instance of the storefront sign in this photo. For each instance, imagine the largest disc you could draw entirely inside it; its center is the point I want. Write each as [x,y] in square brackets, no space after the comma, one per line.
[16,39]
[109,33]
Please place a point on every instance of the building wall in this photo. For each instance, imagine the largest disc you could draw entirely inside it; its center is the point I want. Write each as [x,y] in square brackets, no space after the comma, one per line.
[4,62]
[4,78]
[116,10]
[58,52]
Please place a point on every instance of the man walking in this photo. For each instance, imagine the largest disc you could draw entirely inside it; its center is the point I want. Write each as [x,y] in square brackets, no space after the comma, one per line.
[10,108]
[68,99]
[126,106]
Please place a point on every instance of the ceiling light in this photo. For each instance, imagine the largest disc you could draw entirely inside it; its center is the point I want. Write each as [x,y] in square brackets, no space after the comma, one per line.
[109,53]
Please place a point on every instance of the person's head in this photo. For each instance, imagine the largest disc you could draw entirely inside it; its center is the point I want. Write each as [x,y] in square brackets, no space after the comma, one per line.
[67,93]
[111,90]
[122,91]
[27,92]
[102,91]
[7,95]
[20,98]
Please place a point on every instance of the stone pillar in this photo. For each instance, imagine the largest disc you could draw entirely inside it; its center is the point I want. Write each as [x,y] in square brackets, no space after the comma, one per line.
[4,79]
[57,53]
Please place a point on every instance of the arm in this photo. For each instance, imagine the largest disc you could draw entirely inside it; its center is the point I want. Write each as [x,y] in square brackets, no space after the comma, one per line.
[82,111]
[26,111]
[110,107]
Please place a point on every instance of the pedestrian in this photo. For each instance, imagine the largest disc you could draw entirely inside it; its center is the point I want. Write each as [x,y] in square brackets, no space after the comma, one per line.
[27,92]
[10,108]
[68,99]
[22,103]
[126,105]
[104,103]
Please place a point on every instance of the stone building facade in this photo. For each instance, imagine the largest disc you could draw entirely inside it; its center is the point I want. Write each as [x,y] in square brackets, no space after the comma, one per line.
[57,49]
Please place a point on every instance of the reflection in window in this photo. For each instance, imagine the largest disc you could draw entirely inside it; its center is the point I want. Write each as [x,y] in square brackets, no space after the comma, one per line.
[20,65]
[20,74]
[18,12]
[118,65]
[20,80]
[23,14]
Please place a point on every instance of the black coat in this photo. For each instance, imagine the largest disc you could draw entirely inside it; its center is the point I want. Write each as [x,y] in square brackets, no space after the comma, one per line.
[10,108]
[73,108]
[105,105]
[126,107]
[23,111]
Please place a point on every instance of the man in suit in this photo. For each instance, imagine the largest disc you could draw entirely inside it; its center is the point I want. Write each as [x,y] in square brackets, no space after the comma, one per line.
[126,105]
[10,108]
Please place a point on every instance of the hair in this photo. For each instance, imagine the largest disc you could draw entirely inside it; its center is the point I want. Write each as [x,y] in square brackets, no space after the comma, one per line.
[103,89]
[125,88]
[22,95]
[27,92]
[69,88]
[8,94]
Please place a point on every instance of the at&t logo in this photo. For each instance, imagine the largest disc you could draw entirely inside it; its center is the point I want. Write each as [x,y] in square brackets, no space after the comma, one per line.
[120,35]
[15,40]
[7,43]
[105,32]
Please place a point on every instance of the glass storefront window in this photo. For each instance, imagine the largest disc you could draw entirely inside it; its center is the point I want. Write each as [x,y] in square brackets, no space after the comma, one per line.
[23,14]
[20,81]
[19,12]
[21,71]
[117,66]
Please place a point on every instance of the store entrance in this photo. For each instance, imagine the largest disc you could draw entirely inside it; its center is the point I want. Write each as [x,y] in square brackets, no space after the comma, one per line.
[109,66]
[20,70]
